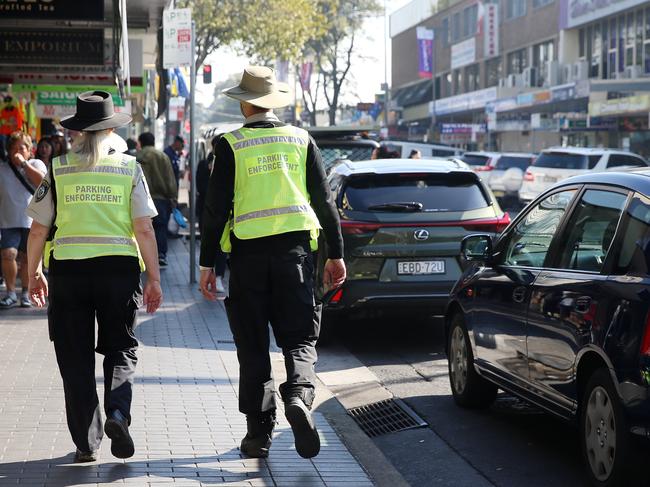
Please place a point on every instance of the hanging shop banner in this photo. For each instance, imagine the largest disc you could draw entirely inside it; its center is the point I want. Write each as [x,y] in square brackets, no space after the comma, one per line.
[620,106]
[52,9]
[579,12]
[463,53]
[491,29]
[425,49]
[68,47]
[177,38]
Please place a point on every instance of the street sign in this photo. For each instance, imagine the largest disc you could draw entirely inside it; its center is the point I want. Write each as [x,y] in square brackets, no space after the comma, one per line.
[177,38]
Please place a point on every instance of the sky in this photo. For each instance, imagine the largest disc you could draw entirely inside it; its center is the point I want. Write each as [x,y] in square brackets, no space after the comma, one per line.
[366,74]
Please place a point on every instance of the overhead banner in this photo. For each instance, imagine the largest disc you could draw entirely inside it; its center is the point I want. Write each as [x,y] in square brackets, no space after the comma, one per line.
[305,76]
[425,50]
[463,53]
[177,38]
[69,47]
[52,9]
[491,30]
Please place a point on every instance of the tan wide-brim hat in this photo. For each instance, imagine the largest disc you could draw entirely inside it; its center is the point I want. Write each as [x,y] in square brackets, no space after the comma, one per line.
[259,87]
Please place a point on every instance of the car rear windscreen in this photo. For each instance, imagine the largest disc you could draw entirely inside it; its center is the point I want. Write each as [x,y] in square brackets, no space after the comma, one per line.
[507,162]
[559,160]
[435,192]
[332,154]
[475,160]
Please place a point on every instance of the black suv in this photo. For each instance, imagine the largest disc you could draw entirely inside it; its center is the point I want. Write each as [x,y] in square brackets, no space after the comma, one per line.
[402,222]
[337,145]
[556,311]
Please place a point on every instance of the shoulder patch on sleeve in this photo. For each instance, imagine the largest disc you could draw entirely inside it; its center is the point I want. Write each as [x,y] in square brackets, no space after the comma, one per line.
[42,190]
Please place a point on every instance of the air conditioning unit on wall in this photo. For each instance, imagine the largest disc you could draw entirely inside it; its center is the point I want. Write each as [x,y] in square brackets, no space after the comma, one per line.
[553,73]
[567,73]
[580,71]
[530,77]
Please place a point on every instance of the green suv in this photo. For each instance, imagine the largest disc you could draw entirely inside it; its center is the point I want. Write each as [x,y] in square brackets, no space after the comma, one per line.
[403,221]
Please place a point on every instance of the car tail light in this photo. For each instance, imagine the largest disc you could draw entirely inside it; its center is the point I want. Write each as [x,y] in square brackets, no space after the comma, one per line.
[336,298]
[349,227]
[529,176]
[490,225]
[645,343]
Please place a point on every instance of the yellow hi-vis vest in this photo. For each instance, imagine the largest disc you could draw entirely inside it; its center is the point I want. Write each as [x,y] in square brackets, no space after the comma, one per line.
[270,184]
[93,208]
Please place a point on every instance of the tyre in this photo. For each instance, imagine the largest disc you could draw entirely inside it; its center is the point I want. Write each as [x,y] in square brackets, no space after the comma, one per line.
[469,389]
[604,436]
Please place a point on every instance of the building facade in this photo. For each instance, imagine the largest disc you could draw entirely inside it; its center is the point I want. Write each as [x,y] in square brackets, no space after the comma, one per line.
[522,75]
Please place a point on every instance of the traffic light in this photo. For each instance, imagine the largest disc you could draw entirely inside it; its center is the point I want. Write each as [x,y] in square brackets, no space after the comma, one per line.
[207,74]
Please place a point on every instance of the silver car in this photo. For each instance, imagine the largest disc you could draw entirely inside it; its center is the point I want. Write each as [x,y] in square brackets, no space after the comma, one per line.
[503,172]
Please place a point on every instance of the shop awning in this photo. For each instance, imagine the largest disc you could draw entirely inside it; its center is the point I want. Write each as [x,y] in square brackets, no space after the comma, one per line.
[414,94]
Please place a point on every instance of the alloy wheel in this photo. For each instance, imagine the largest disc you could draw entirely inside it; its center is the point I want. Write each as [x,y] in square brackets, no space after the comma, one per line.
[458,360]
[600,433]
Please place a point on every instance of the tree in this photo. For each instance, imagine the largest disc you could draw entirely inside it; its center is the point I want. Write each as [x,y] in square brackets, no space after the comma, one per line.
[333,50]
[263,31]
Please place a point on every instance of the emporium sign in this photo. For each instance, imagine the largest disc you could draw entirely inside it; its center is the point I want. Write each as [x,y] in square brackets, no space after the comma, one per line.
[578,12]
[52,9]
[55,47]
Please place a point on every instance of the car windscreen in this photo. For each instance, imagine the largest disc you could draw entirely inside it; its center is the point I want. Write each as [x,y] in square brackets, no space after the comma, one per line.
[333,153]
[413,192]
[562,160]
[475,160]
[506,162]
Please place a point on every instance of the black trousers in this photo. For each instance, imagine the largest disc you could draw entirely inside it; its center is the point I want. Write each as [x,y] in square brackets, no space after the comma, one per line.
[272,281]
[108,290]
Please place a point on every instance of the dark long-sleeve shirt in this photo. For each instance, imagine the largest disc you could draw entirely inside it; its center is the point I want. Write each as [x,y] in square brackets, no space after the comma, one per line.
[221,188]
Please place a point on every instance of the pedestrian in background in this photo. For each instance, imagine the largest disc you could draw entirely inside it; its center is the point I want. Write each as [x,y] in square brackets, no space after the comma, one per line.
[164,191]
[174,152]
[45,151]
[267,199]
[384,152]
[97,200]
[20,174]
[132,147]
[415,154]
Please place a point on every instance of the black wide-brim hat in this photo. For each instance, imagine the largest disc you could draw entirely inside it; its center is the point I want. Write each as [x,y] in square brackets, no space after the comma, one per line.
[95,111]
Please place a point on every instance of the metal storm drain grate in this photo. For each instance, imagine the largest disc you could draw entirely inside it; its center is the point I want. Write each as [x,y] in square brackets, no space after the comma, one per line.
[386,416]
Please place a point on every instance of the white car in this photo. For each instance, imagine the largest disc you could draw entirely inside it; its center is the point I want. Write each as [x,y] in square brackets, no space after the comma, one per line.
[559,163]
[503,172]
[428,151]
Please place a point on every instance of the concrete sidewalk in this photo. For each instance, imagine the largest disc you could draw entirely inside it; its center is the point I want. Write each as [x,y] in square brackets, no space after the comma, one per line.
[186,424]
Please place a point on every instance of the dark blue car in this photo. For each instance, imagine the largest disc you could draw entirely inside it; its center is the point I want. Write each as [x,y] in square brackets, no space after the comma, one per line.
[556,311]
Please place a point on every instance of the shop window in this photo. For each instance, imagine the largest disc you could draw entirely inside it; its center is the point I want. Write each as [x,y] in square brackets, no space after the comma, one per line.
[446,85]
[492,72]
[444,32]
[582,52]
[455,28]
[638,39]
[515,8]
[594,65]
[470,20]
[458,81]
[437,88]
[621,43]
[472,77]
[541,3]
[517,61]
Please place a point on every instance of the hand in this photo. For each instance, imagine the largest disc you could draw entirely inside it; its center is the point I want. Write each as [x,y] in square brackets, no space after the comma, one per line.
[18,159]
[152,295]
[38,289]
[208,284]
[334,273]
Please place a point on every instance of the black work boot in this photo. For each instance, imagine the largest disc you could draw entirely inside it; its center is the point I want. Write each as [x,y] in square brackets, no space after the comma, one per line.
[259,434]
[302,425]
[117,429]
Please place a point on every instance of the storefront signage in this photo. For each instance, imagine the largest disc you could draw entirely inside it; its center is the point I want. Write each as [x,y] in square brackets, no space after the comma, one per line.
[463,53]
[578,12]
[64,95]
[52,9]
[463,128]
[491,29]
[563,93]
[425,52]
[470,101]
[534,98]
[60,111]
[620,106]
[52,47]
[177,38]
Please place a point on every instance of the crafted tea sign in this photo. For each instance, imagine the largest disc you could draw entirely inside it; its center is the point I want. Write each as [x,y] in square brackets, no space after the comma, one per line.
[55,47]
[52,9]
[177,38]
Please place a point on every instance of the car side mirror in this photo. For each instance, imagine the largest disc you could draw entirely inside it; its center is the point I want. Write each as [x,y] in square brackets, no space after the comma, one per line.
[476,248]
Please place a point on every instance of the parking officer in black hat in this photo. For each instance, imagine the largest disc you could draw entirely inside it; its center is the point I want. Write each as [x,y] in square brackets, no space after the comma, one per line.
[95,206]
[267,199]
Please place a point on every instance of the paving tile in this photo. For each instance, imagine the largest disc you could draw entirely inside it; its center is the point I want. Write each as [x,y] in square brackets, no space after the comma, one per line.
[186,423]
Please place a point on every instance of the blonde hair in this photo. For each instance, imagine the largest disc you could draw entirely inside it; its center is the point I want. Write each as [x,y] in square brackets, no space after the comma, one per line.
[17,137]
[87,146]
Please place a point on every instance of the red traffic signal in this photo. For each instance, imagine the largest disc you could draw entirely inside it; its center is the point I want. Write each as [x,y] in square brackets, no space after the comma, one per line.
[207,74]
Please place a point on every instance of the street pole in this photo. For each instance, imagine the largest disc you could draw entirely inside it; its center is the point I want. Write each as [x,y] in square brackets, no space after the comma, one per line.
[386,90]
[192,160]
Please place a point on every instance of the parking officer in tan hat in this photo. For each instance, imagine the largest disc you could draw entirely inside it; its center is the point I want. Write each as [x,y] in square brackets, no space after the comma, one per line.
[95,206]
[267,200]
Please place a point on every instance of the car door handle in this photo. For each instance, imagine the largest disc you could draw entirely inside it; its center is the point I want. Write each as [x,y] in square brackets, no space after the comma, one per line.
[519,294]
